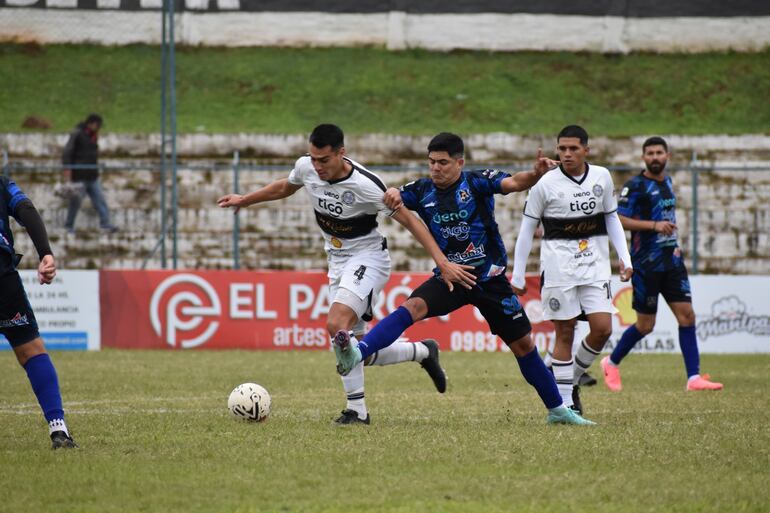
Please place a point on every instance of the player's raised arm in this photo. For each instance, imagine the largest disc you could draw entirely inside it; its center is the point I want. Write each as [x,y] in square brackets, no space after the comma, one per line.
[450,272]
[525,179]
[273,191]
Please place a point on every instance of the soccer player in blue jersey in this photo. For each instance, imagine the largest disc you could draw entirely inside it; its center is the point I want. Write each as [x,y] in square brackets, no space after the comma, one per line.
[458,208]
[17,321]
[647,207]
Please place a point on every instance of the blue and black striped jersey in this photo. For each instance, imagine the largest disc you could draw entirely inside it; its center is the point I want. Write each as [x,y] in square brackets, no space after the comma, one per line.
[10,197]
[461,219]
[651,200]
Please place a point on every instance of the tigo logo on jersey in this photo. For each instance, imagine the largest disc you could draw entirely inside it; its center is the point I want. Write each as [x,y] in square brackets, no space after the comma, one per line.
[185,310]
[460,231]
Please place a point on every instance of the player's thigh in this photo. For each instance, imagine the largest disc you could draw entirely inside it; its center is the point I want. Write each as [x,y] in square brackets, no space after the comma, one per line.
[646,285]
[437,297]
[358,283]
[502,310]
[675,286]
[560,303]
[17,320]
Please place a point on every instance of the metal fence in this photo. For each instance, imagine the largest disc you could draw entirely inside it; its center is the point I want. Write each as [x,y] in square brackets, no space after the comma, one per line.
[723,210]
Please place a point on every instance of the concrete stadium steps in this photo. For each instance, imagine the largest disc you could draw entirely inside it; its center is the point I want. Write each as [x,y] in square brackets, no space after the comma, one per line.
[733,222]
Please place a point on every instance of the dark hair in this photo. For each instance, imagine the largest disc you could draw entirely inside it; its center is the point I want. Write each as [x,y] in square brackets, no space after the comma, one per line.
[574,131]
[94,118]
[327,135]
[448,142]
[655,141]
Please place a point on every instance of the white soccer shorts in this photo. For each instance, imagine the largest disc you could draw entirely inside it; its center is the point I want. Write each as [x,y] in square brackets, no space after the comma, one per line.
[357,281]
[564,303]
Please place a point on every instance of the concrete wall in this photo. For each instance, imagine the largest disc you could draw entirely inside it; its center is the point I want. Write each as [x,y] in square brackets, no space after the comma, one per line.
[612,26]
[734,222]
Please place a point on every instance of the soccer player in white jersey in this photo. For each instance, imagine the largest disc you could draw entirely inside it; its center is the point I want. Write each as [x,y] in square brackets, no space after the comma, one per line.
[578,210]
[346,198]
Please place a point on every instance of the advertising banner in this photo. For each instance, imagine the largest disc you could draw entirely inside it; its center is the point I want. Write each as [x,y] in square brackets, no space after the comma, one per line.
[285,310]
[67,310]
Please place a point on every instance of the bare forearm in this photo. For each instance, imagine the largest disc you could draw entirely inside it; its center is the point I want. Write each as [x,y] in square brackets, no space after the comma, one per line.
[637,225]
[521,181]
[421,233]
[274,191]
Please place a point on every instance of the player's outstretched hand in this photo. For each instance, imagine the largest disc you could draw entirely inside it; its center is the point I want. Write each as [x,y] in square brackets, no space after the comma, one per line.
[392,199]
[544,164]
[665,227]
[46,270]
[457,273]
[231,200]
[625,273]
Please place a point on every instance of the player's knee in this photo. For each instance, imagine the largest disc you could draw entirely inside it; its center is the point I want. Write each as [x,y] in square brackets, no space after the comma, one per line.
[603,332]
[687,318]
[416,307]
[522,347]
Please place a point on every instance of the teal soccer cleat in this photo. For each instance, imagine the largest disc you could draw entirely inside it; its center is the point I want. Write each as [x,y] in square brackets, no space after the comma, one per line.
[348,355]
[564,415]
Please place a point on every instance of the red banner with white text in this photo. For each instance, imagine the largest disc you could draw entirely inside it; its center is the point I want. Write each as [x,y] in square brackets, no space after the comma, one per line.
[268,310]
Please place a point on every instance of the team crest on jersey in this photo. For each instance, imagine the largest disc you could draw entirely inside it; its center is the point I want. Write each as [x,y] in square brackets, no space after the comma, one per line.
[582,245]
[598,190]
[554,304]
[463,195]
[336,242]
[348,198]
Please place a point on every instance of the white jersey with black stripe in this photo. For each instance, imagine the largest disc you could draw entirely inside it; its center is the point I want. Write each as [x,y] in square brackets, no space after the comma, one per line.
[346,209]
[575,246]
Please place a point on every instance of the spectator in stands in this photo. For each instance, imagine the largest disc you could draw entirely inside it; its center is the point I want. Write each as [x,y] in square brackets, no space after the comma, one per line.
[80,159]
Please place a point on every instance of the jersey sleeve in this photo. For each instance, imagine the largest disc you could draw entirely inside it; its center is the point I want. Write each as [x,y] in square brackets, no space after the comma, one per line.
[12,196]
[297,175]
[609,201]
[488,181]
[628,202]
[535,204]
[410,194]
[373,194]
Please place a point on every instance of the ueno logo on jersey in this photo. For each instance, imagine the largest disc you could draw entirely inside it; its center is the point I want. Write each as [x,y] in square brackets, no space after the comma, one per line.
[184,310]
[450,217]
[460,231]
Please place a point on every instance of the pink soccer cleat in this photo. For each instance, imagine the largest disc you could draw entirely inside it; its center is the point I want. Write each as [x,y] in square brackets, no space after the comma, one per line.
[703,383]
[611,375]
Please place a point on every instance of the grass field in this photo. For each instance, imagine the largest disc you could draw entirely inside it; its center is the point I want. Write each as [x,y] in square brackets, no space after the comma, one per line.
[155,436]
[371,90]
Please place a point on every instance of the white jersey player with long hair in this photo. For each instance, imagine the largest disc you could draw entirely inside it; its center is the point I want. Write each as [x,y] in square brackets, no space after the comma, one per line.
[578,210]
[346,199]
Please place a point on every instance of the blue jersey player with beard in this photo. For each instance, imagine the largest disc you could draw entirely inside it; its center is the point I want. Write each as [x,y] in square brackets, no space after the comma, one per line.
[647,207]
[458,208]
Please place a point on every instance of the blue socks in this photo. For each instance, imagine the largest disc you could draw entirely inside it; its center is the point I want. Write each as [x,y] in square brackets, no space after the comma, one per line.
[689,346]
[45,384]
[386,332]
[626,343]
[536,373]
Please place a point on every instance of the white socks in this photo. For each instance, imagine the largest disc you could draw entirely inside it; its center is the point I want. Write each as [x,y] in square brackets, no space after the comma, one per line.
[563,373]
[584,357]
[57,425]
[353,384]
[399,352]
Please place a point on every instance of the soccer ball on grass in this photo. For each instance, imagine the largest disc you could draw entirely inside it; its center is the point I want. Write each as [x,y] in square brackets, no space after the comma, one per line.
[249,401]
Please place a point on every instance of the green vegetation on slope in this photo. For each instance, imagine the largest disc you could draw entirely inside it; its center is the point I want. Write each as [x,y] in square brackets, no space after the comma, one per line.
[278,90]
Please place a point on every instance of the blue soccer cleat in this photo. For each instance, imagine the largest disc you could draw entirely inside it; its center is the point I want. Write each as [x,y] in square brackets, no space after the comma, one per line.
[564,415]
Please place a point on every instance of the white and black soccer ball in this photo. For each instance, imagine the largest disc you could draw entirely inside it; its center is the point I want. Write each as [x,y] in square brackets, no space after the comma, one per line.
[249,401]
